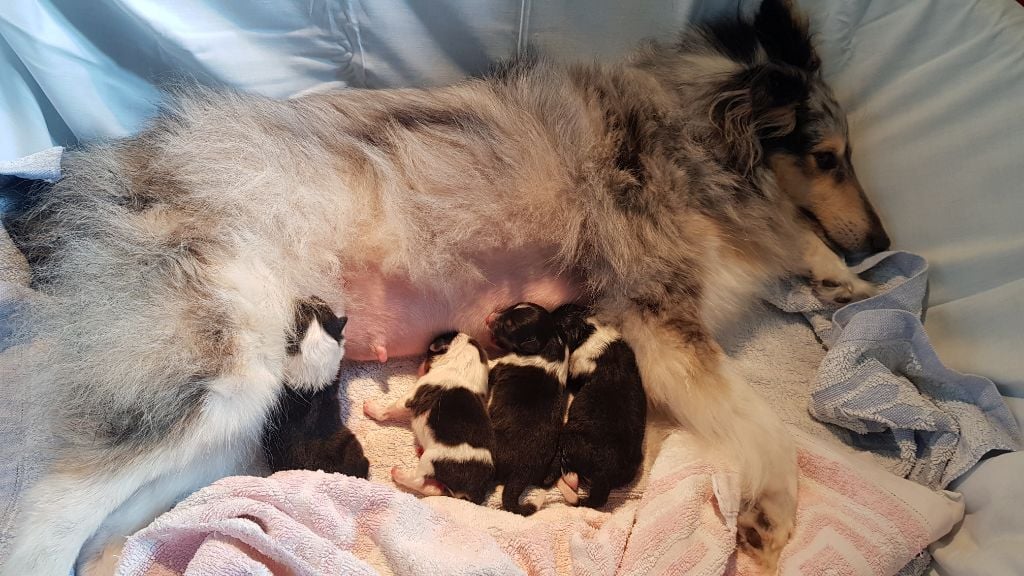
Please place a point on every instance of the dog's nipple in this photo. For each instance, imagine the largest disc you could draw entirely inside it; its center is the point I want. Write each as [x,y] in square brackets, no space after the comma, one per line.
[381,353]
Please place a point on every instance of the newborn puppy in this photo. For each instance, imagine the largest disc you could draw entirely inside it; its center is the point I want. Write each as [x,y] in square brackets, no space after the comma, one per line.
[602,441]
[526,403]
[306,431]
[449,419]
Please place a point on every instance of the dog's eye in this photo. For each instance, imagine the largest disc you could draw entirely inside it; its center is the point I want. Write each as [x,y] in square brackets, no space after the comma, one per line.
[825,160]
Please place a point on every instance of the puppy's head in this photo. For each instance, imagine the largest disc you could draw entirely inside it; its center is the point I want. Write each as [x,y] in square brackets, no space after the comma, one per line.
[315,345]
[571,320]
[456,351]
[777,109]
[525,329]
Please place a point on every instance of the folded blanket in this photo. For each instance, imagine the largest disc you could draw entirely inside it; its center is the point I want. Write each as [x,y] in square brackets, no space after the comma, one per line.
[882,380]
[43,165]
[853,518]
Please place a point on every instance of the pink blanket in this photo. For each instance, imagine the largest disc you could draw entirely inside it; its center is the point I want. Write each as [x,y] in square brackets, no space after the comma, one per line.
[853,519]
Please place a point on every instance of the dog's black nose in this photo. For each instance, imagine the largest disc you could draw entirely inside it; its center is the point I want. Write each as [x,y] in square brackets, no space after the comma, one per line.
[879,240]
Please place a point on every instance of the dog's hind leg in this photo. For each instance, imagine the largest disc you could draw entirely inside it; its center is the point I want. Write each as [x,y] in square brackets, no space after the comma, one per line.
[686,372]
[100,554]
[61,511]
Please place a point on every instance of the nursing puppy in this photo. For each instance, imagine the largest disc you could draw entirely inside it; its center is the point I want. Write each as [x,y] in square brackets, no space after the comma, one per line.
[450,422]
[527,402]
[666,189]
[601,444]
[306,431]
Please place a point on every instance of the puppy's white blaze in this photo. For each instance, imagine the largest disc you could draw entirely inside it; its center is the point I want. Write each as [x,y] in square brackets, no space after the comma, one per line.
[558,369]
[459,367]
[317,362]
[461,453]
[584,359]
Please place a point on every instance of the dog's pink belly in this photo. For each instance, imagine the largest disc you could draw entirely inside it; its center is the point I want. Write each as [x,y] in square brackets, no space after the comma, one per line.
[389,314]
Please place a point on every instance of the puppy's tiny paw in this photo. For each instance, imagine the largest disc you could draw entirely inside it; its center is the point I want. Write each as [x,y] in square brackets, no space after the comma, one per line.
[569,492]
[844,291]
[374,410]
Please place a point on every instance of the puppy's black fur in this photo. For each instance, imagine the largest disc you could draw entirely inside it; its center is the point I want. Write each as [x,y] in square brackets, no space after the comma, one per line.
[526,402]
[602,439]
[307,433]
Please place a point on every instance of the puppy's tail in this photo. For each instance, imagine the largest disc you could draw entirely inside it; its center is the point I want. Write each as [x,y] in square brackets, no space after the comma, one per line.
[511,495]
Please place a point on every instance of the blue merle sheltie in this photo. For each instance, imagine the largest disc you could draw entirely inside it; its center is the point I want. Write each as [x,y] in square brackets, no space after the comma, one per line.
[666,190]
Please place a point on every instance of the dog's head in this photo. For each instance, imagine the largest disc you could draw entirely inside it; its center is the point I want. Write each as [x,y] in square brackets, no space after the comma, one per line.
[525,329]
[780,106]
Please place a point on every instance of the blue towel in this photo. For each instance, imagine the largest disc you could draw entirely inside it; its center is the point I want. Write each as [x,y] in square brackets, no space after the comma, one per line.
[882,380]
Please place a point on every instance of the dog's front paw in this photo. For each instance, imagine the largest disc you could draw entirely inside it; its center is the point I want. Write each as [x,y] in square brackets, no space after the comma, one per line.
[764,528]
[845,290]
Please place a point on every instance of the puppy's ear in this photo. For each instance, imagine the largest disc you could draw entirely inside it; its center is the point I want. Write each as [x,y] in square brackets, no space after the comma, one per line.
[530,346]
[334,325]
[784,35]
[442,343]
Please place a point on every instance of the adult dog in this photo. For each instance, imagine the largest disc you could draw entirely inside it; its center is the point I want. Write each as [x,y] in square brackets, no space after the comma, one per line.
[664,190]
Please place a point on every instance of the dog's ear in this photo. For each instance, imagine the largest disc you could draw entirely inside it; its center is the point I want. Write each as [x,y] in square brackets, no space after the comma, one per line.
[784,34]
[755,104]
[777,90]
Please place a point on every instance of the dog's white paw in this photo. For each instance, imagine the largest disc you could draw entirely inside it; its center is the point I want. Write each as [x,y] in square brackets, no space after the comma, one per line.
[764,528]
[851,288]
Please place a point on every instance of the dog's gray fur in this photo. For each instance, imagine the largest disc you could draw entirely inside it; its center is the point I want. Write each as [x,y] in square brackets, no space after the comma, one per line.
[171,259]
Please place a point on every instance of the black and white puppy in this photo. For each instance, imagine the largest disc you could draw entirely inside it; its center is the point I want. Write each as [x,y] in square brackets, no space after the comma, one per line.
[527,401]
[306,431]
[449,420]
[602,440]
